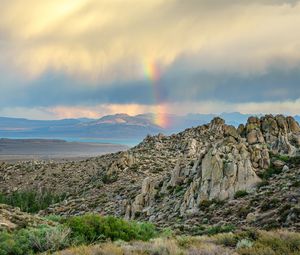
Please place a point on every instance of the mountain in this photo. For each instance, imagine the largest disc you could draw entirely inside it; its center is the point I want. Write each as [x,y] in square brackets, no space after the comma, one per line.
[214,174]
[110,127]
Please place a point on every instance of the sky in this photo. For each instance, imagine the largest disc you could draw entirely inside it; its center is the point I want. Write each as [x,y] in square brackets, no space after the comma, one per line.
[89,58]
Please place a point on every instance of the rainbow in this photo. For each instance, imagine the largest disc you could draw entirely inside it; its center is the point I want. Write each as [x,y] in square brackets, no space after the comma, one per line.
[153,74]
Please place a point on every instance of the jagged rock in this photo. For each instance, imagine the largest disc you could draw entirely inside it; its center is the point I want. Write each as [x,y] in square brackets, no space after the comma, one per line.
[145,198]
[255,136]
[278,164]
[231,131]
[285,168]
[176,176]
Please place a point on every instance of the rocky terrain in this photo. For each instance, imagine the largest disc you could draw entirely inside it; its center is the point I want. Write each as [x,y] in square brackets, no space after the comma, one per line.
[213,174]
[13,219]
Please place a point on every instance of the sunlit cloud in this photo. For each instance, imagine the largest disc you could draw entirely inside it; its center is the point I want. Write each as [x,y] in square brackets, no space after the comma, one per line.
[289,107]
[103,40]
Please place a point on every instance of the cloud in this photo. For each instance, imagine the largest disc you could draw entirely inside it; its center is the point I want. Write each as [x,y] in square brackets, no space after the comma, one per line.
[177,85]
[288,107]
[61,55]
[108,40]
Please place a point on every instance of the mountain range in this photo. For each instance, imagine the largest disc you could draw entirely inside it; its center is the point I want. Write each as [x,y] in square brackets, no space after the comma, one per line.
[118,126]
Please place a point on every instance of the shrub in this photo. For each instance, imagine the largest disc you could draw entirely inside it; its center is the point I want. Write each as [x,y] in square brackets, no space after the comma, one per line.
[30,201]
[267,174]
[54,217]
[244,243]
[243,211]
[205,204]
[90,228]
[227,239]
[178,189]
[240,193]
[263,183]
[166,233]
[108,179]
[284,158]
[218,229]
[270,204]
[31,241]
[50,238]
[275,243]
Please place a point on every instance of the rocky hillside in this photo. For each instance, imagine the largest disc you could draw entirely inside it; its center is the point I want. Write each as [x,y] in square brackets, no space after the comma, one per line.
[211,174]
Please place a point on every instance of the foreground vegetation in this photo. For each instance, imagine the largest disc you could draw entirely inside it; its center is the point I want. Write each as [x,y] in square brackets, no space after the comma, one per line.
[243,243]
[73,231]
[93,234]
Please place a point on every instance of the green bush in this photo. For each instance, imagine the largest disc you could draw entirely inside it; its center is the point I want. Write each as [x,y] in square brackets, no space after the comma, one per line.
[85,229]
[90,228]
[295,160]
[267,174]
[283,158]
[263,183]
[34,240]
[108,179]
[218,229]
[240,193]
[30,201]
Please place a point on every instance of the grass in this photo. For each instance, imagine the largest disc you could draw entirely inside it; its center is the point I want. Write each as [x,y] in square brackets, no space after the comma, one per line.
[93,234]
[30,201]
[249,242]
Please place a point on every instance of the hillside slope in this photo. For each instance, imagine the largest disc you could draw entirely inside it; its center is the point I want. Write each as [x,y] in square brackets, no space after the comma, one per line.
[212,174]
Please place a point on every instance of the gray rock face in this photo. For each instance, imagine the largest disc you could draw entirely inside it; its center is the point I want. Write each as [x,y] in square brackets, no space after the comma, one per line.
[226,160]
[144,199]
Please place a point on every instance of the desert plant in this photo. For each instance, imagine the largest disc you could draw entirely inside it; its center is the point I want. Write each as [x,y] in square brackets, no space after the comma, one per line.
[90,228]
[31,201]
[275,243]
[268,173]
[218,229]
[34,240]
[240,193]
[244,243]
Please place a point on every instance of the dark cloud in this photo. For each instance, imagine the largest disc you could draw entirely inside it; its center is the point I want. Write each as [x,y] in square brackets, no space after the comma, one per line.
[180,86]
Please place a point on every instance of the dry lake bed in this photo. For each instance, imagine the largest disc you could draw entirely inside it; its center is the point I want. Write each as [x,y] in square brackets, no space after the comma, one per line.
[48,149]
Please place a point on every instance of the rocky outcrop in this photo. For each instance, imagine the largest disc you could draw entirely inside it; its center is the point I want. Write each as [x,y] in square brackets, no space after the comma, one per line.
[143,200]
[226,160]
[280,133]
